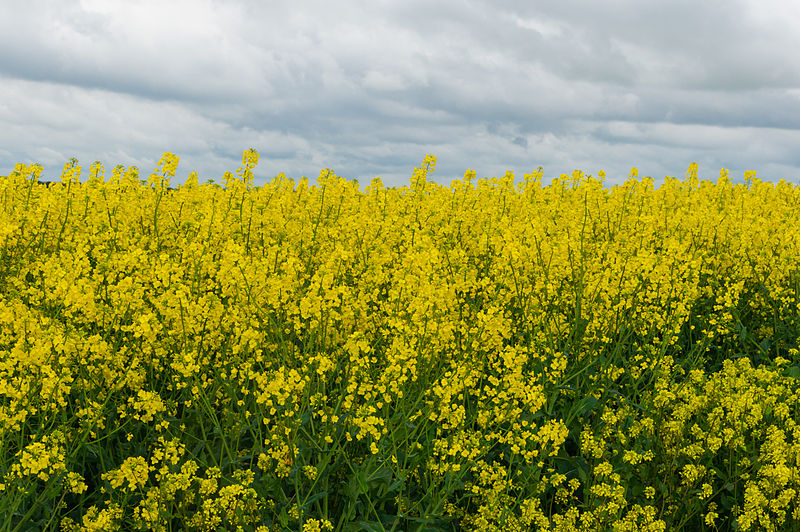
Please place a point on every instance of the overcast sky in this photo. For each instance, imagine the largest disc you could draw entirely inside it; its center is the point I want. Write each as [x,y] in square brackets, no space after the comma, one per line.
[367,88]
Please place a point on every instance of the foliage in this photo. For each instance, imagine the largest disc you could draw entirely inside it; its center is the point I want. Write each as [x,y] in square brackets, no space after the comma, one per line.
[482,356]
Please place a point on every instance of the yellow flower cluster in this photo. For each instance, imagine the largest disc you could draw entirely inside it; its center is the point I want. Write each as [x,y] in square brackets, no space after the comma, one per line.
[483,355]
[40,459]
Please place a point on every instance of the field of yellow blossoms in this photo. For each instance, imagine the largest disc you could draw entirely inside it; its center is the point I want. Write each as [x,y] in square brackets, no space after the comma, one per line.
[483,356]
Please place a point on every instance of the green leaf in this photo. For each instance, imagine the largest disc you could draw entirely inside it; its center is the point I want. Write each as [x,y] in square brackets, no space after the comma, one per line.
[283,518]
[354,486]
[382,476]
[397,485]
[360,526]
[586,404]
[430,521]
[314,498]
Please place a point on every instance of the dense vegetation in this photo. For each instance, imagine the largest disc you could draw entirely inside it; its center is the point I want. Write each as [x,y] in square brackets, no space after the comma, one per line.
[482,356]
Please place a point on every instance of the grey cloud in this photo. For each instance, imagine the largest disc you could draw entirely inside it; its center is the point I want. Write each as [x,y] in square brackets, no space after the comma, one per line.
[369,88]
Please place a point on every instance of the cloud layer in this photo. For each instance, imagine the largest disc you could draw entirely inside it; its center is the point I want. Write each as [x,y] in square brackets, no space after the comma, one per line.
[368,88]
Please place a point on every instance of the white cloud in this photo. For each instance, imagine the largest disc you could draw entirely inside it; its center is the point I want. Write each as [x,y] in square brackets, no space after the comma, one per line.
[545,28]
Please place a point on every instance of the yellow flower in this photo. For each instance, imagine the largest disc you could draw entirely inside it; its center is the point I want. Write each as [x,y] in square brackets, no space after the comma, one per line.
[310,471]
[75,482]
[134,470]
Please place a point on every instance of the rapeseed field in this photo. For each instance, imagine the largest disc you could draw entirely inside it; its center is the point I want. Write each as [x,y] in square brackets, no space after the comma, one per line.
[483,356]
